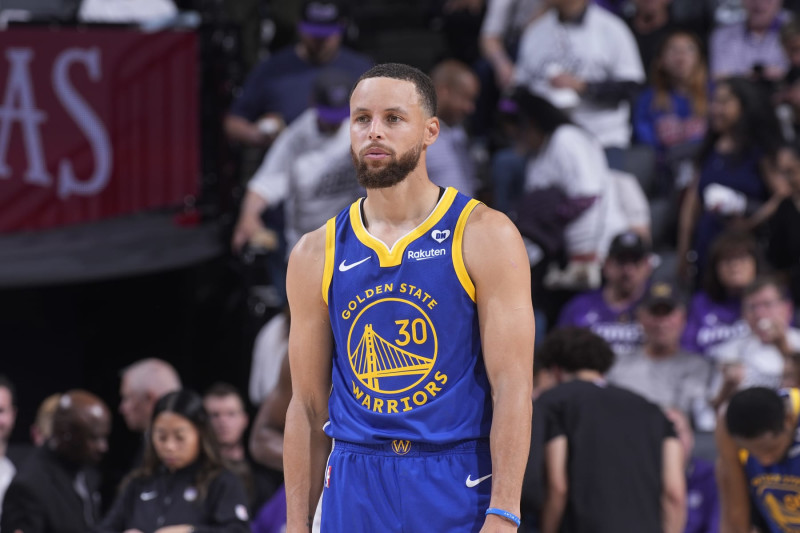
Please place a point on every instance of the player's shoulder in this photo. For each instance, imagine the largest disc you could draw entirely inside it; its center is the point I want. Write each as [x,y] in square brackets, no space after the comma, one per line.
[311,246]
[485,222]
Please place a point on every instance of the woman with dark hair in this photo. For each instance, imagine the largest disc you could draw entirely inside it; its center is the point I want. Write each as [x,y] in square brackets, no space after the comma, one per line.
[182,486]
[735,185]
[715,313]
[670,114]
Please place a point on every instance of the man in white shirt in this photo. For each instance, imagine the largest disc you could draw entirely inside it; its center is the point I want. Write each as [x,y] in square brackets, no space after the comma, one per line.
[758,358]
[583,59]
[8,414]
[308,166]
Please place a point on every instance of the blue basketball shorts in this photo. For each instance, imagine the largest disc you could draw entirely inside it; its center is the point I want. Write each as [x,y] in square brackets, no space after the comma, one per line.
[407,487]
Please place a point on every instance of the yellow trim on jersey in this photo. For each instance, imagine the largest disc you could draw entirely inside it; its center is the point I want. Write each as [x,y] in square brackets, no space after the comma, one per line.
[794,401]
[794,398]
[743,455]
[393,257]
[330,248]
[458,249]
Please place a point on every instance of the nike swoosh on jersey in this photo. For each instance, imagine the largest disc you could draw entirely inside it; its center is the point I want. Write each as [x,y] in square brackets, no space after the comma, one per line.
[147,496]
[473,482]
[344,268]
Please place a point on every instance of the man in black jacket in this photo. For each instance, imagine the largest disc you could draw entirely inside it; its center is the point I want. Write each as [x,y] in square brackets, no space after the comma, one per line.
[56,490]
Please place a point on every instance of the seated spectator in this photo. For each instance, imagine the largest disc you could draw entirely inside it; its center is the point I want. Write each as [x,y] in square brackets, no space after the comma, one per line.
[702,499]
[229,420]
[610,312]
[279,89]
[142,384]
[182,466]
[584,59]
[735,184]
[660,370]
[670,114]
[757,359]
[783,245]
[8,414]
[42,426]
[448,160]
[715,313]
[752,47]
[308,168]
[56,489]
[612,461]
[565,158]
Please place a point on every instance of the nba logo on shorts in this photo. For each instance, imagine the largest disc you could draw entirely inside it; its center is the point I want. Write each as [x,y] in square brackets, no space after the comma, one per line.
[328,477]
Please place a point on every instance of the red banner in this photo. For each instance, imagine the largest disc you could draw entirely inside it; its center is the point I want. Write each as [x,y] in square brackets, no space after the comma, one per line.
[95,123]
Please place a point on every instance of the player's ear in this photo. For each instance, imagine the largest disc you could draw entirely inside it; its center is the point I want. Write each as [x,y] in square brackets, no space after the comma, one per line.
[431,130]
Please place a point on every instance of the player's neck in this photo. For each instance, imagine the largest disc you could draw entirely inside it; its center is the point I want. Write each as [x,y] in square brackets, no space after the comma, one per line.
[392,212]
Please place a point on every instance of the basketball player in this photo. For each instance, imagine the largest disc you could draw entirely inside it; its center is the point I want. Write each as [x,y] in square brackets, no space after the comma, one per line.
[422,296]
[759,461]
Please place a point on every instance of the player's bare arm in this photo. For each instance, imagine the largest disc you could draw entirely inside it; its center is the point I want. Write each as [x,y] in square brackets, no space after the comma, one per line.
[673,492]
[734,499]
[498,265]
[555,502]
[305,444]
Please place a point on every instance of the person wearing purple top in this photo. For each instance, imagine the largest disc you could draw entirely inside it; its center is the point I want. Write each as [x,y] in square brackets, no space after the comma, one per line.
[702,499]
[715,313]
[610,311]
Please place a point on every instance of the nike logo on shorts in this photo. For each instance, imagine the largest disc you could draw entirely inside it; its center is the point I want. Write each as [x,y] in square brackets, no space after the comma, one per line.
[344,267]
[147,496]
[473,482]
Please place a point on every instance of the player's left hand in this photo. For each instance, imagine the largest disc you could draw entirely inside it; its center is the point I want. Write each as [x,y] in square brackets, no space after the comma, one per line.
[497,524]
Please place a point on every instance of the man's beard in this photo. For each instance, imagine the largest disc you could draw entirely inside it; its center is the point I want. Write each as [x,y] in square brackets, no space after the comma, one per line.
[393,173]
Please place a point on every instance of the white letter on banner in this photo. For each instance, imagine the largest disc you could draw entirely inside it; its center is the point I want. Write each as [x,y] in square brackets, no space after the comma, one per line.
[19,105]
[87,120]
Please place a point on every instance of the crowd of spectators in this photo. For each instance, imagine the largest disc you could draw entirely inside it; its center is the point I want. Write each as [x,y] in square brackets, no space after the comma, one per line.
[591,124]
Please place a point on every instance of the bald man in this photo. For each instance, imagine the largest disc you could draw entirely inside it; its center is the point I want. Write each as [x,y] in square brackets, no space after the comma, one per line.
[449,161]
[143,383]
[56,489]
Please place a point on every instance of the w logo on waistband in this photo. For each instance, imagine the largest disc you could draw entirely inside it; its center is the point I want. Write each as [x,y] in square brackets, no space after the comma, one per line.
[401,447]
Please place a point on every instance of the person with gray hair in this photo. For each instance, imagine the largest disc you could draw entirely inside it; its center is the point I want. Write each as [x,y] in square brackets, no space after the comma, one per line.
[143,383]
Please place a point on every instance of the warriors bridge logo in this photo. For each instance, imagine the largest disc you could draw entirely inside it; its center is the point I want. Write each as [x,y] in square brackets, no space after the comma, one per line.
[392,348]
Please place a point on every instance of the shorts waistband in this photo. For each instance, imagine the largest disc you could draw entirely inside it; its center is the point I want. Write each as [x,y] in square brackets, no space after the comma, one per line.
[400,447]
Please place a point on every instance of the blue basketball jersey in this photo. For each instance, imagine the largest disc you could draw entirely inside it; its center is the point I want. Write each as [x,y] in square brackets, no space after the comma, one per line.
[408,361]
[776,488]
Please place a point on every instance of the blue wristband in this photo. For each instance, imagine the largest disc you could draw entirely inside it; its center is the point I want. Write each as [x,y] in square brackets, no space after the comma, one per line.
[505,514]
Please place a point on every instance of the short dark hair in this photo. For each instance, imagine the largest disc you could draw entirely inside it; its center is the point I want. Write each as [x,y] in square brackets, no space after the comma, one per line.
[754,412]
[12,390]
[538,111]
[222,389]
[399,71]
[572,349]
